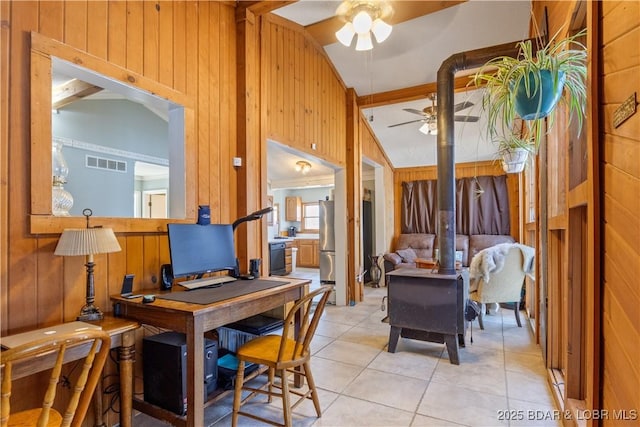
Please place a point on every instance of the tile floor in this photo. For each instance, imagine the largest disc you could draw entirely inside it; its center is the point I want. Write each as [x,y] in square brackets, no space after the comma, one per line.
[361,384]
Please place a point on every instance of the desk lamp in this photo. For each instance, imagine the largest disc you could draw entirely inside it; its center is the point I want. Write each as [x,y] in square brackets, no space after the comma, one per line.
[88,241]
[251,217]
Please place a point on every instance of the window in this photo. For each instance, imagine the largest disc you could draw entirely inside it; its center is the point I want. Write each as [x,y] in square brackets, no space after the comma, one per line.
[310,217]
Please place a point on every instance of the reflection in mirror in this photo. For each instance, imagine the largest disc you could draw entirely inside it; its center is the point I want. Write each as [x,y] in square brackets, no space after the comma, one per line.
[124,147]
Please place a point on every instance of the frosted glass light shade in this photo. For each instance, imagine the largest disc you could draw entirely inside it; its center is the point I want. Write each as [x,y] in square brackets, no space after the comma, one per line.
[364,42]
[345,34]
[362,22]
[381,30]
[424,128]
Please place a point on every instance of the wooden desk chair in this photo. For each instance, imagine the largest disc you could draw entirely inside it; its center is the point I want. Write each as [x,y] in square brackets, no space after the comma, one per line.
[282,354]
[61,347]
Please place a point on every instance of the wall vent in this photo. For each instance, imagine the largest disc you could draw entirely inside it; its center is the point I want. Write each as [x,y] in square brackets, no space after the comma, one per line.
[104,163]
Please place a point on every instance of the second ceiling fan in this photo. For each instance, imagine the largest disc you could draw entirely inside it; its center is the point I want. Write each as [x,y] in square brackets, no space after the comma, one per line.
[429,115]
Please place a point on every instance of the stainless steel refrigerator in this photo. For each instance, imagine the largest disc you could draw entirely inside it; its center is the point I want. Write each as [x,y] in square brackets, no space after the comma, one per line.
[326,243]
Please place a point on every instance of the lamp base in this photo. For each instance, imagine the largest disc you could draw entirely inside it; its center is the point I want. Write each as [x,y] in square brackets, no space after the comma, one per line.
[90,312]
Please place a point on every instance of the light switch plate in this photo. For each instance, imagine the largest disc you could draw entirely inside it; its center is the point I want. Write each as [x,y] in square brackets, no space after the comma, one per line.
[237,161]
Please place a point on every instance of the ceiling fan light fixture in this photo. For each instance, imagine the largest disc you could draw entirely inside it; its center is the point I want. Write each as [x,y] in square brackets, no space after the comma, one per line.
[424,128]
[363,18]
[433,128]
[362,22]
[381,30]
[345,34]
[364,42]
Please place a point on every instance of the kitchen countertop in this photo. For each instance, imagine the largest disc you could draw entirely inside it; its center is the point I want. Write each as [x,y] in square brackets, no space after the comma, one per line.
[291,239]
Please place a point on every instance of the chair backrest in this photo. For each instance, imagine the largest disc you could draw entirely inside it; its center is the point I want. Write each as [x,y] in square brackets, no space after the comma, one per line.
[89,346]
[308,324]
[506,284]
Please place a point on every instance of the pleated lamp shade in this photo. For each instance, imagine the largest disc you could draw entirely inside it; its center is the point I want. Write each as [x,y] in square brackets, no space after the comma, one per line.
[87,241]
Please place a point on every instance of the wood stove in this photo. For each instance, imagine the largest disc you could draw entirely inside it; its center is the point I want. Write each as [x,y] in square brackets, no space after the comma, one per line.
[429,307]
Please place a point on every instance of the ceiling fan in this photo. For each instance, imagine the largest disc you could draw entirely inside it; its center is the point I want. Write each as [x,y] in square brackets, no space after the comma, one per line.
[429,115]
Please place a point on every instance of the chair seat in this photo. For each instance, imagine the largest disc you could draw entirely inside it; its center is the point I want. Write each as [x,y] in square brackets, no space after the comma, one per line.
[29,418]
[264,350]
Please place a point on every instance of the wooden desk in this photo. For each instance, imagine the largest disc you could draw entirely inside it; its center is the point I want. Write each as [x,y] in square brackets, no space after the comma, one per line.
[193,320]
[122,333]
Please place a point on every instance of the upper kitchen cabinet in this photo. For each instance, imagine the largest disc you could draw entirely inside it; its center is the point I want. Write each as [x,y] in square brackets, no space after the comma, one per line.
[293,208]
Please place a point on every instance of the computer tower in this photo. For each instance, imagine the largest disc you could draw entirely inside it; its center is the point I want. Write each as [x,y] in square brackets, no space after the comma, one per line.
[165,370]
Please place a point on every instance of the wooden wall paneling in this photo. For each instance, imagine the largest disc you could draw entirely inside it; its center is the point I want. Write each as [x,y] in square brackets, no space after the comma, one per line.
[117,267]
[192,41]
[51,17]
[21,274]
[48,307]
[151,42]
[75,24]
[150,261]
[621,18]
[133,46]
[74,276]
[135,256]
[213,140]
[117,38]
[298,89]
[204,124]
[98,15]
[622,218]
[180,47]
[165,42]
[5,12]
[228,117]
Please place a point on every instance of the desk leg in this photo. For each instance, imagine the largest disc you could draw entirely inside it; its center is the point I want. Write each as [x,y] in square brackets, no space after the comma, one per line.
[195,372]
[127,358]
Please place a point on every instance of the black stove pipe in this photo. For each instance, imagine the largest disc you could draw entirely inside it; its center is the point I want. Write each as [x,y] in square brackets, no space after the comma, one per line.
[445,138]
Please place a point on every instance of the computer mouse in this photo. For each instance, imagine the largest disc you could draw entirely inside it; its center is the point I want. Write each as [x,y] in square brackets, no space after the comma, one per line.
[146,299]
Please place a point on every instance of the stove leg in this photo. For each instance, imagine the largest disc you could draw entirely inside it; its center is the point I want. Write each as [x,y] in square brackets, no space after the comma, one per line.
[394,335]
[452,348]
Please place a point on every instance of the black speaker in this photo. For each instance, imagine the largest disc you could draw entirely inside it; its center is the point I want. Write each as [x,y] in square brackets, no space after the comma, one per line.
[165,370]
[166,274]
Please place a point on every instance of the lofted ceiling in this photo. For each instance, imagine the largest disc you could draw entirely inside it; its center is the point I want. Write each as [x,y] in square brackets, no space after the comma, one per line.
[410,58]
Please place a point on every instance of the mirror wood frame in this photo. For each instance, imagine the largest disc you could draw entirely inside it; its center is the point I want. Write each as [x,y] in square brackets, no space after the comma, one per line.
[42,221]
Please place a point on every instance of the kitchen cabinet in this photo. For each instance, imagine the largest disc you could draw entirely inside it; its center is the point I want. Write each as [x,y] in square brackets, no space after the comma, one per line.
[308,255]
[288,257]
[293,208]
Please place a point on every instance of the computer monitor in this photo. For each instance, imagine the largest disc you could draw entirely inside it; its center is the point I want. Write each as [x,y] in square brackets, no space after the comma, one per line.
[199,249]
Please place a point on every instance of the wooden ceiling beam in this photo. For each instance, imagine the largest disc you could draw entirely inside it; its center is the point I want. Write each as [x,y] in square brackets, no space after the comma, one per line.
[407,94]
[262,7]
[324,31]
[71,91]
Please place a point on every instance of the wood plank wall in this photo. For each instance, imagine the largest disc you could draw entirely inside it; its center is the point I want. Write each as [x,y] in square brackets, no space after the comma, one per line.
[304,99]
[620,166]
[188,46]
[463,170]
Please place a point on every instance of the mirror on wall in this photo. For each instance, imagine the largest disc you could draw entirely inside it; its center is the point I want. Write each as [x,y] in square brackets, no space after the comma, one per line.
[115,140]
[123,138]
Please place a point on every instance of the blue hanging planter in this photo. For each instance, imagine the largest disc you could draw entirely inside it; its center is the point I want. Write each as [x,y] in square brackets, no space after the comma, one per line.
[543,97]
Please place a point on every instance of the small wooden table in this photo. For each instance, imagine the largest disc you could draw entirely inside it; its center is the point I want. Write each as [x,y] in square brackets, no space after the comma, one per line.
[122,333]
[425,263]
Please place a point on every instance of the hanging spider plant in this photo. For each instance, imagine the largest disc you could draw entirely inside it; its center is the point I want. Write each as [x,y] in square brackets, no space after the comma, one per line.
[536,79]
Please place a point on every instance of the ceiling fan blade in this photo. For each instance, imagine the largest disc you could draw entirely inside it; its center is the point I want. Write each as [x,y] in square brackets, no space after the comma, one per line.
[462,106]
[469,119]
[414,111]
[406,123]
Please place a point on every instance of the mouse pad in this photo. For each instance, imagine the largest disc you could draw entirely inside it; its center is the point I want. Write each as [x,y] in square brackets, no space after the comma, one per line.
[221,293]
